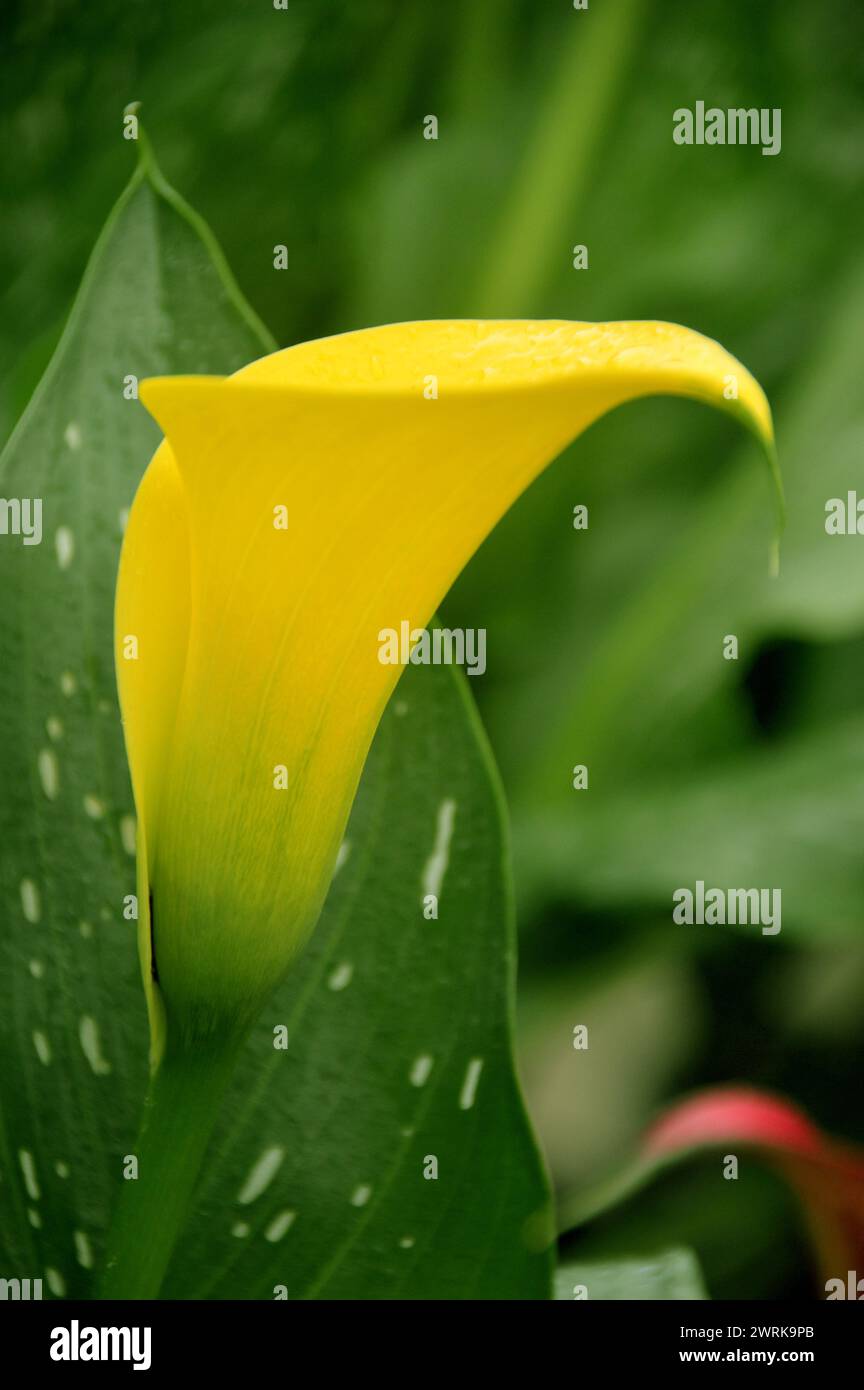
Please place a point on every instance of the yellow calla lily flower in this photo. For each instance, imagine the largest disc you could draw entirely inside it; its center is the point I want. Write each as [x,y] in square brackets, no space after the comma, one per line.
[296,510]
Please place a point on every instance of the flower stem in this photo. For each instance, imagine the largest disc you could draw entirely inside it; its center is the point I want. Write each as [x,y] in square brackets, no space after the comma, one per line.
[179,1115]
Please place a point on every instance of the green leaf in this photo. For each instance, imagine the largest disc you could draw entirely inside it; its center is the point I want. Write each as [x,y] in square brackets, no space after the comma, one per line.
[398,1052]
[382,989]
[764,818]
[73,1037]
[671,1275]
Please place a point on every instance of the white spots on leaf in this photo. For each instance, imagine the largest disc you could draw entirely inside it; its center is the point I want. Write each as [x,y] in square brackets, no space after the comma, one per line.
[279,1226]
[420,1069]
[341,976]
[61,1168]
[86,930]
[128,833]
[361,1194]
[240,1230]
[42,1047]
[94,806]
[123,519]
[37,969]
[72,436]
[54,728]
[406,1242]
[34,1218]
[341,857]
[28,1172]
[49,772]
[31,902]
[91,1045]
[83,1249]
[68,684]
[56,1282]
[436,864]
[469,1086]
[261,1175]
[400,708]
[64,544]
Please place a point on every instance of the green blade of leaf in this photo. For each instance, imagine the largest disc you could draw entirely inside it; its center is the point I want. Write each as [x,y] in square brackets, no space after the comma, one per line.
[72,1030]
[763,818]
[398,1060]
[420,1038]
[671,1275]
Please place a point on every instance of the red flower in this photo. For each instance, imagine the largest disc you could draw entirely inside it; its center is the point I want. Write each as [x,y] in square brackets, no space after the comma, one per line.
[827,1175]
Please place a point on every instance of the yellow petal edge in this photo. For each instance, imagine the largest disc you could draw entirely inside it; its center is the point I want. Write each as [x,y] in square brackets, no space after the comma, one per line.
[245,647]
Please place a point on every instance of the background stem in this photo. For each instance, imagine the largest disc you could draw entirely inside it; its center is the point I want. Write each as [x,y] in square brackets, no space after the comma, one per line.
[179,1115]
[538,225]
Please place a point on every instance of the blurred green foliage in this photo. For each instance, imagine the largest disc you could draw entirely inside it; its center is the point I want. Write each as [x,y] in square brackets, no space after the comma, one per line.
[305,127]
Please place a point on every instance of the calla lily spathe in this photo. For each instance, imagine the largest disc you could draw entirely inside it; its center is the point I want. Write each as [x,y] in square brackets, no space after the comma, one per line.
[395,451]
